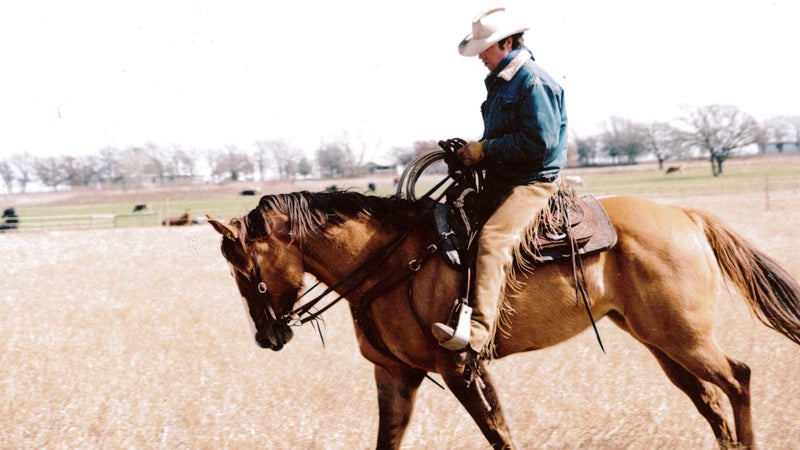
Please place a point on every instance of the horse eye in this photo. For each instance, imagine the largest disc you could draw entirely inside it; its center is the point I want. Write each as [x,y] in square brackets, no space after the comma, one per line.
[262,287]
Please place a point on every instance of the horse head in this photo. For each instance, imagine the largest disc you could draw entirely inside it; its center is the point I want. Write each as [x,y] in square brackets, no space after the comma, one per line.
[268,269]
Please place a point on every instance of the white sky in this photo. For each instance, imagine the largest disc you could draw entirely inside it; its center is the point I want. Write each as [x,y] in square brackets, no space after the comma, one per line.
[77,76]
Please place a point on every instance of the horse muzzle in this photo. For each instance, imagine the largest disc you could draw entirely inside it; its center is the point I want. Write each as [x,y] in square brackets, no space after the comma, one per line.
[275,337]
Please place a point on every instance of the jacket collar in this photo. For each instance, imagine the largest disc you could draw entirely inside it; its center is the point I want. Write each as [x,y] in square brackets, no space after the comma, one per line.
[515,64]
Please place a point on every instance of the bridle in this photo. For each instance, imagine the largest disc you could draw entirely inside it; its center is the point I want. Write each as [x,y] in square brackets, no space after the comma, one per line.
[356,278]
[352,280]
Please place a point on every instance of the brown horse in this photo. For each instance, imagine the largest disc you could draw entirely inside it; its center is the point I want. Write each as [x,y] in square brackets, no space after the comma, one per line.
[179,221]
[659,283]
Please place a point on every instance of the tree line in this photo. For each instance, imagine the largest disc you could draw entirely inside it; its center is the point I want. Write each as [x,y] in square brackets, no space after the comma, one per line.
[715,132]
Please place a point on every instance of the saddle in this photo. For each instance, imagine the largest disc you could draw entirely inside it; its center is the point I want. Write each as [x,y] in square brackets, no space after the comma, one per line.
[572,222]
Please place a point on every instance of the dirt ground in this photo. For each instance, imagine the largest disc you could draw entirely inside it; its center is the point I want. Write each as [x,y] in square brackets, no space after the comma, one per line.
[136,338]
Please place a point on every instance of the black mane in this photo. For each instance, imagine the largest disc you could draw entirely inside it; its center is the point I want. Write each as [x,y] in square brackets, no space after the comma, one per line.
[310,212]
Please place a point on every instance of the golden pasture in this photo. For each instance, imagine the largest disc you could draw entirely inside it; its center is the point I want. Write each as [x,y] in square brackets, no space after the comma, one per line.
[136,338]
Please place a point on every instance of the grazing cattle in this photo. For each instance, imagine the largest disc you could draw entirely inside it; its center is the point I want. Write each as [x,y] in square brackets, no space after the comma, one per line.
[185,219]
[674,169]
[371,187]
[248,192]
[140,207]
[10,220]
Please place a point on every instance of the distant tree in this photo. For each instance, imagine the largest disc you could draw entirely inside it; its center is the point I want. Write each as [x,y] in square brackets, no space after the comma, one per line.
[233,164]
[73,171]
[131,166]
[623,137]
[7,174]
[763,135]
[261,159]
[587,149]
[182,164]
[404,155]
[783,130]
[23,164]
[109,165]
[663,141]
[282,154]
[304,167]
[720,130]
[158,162]
[335,160]
[49,171]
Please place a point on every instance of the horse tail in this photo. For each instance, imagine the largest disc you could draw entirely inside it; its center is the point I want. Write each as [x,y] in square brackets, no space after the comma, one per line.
[768,289]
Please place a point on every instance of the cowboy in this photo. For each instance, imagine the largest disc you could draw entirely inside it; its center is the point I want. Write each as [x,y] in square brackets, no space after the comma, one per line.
[523,149]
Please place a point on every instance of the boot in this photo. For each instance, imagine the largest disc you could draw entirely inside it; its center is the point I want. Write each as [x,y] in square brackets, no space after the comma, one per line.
[457,338]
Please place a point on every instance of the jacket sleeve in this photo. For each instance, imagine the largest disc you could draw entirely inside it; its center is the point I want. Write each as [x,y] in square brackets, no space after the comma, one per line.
[540,124]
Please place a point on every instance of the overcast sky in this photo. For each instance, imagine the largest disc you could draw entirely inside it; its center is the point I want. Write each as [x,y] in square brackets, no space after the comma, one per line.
[78,76]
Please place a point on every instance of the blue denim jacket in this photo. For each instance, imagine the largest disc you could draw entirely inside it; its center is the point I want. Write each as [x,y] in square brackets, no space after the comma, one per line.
[525,123]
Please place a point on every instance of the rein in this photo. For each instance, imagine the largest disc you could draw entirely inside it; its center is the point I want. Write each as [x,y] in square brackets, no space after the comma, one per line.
[303,314]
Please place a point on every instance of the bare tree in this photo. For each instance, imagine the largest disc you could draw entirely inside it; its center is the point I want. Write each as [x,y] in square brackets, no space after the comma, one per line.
[720,130]
[233,164]
[158,161]
[132,167]
[49,171]
[74,172]
[587,149]
[304,167]
[783,130]
[282,153]
[7,174]
[23,164]
[663,141]
[623,137]
[182,164]
[404,155]
[335,160]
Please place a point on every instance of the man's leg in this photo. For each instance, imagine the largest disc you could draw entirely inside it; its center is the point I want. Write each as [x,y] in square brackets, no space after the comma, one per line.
[500,235]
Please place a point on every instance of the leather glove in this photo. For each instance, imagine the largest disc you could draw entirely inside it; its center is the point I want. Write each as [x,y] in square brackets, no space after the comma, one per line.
[472,153]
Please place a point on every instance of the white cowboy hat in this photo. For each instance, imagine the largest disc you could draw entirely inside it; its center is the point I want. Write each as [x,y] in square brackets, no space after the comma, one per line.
[488,29]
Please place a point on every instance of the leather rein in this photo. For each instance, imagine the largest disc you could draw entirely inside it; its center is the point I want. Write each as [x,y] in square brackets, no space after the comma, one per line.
[358,276]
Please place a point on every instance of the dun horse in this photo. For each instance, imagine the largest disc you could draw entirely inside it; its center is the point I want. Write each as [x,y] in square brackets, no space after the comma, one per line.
[659,283]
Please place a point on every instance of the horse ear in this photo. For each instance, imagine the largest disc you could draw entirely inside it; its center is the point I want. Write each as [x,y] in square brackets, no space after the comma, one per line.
[224,229]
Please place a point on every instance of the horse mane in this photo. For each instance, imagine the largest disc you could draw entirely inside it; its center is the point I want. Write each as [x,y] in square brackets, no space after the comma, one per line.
[310,213]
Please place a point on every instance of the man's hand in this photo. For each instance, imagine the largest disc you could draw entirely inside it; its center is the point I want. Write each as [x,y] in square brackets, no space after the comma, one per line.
[472,153]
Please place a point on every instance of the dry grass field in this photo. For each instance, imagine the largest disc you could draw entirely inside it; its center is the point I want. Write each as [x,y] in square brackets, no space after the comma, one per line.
[136,338]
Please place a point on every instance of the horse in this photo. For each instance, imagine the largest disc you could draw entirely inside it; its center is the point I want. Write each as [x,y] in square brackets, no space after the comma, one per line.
[183,219]
[674,169]
[659,283]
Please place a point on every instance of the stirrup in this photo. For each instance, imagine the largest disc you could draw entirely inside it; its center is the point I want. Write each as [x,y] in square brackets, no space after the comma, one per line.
[458,338]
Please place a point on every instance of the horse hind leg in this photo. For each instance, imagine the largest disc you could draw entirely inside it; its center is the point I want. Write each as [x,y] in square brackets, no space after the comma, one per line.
[707,398]
[699,370]
[733,377]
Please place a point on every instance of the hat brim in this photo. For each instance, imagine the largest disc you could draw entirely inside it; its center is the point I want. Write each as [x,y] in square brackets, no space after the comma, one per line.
[474,47]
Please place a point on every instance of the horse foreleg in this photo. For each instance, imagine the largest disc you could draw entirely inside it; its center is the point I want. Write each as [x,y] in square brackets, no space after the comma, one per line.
[480,400]
[397,390]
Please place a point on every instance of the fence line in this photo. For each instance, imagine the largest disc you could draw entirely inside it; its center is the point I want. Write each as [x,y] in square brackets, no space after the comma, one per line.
[87,221]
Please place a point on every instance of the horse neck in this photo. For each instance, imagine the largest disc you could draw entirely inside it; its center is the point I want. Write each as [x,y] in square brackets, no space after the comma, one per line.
[344,249]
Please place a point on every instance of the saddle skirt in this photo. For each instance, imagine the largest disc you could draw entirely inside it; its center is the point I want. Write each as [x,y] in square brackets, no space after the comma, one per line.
[588,226]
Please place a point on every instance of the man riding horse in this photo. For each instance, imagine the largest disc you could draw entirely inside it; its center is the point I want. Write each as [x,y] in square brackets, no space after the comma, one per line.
[523,149]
